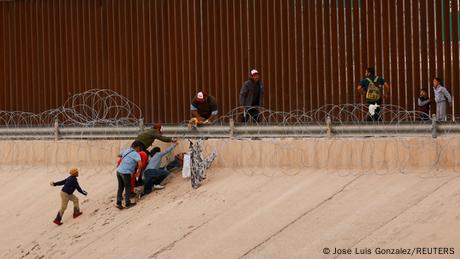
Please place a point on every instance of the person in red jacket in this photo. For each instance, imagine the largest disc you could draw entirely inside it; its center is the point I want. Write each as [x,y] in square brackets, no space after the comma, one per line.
[70,185]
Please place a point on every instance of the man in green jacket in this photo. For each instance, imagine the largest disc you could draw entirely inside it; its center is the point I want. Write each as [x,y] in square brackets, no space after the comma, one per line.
[148,136]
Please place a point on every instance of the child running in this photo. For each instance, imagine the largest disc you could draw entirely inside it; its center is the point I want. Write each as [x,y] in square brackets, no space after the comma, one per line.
[70,184]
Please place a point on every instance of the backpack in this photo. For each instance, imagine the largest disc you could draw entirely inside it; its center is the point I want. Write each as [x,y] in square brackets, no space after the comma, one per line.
[374,92]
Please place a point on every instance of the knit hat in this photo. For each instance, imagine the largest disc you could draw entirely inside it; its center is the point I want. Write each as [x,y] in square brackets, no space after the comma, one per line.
[73,171]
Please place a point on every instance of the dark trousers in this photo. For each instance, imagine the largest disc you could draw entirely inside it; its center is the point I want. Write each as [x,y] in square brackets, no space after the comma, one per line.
[153,177]
[250,114]
[424,117]
[124,182]
[173,164]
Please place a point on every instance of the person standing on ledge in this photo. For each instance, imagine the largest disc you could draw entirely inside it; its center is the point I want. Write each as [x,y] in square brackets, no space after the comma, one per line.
[440,96]
[423,104]
[252,96]
[375,89]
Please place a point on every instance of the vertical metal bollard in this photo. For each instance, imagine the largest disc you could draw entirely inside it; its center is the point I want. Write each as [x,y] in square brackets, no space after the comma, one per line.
[141,124]
[328,126]
[232,127]
[56,129]
[434,131]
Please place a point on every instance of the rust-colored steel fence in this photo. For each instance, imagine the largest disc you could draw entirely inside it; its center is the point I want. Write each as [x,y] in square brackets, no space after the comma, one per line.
[159,53]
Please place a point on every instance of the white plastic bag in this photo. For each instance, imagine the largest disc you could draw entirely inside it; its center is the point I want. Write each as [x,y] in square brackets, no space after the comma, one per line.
[186,172]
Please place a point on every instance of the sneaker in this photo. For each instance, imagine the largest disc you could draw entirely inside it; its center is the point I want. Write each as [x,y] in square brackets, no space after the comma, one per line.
[129,205]
[78,214]
[119,206]
[158,187]
[57,222]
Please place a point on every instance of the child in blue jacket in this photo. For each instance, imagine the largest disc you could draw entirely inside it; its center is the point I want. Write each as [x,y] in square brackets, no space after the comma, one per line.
[70,185]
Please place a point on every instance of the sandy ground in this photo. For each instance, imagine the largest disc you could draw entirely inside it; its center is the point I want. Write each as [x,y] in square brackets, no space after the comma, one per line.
[240,212]
[235,214]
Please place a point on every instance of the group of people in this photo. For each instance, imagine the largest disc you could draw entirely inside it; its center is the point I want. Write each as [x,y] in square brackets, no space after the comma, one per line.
[441,98]
[204,107]
[375,90]
[139,166]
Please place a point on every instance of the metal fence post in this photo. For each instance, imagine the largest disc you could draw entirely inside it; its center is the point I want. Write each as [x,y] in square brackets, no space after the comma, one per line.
[434,131]
[232,127]
[328,126]
[141,124]
[56,129]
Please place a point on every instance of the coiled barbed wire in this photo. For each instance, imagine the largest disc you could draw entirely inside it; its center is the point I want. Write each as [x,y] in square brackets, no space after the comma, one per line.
[340,113]
[102,107]
[105,107]
[95,107]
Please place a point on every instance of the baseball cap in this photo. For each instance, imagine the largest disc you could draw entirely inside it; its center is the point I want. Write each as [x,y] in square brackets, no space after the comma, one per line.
[199,96]
[254,72]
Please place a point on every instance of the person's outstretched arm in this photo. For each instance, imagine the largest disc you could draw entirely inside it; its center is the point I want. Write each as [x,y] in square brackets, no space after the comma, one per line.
[58,183]
[162,138]
[167,150]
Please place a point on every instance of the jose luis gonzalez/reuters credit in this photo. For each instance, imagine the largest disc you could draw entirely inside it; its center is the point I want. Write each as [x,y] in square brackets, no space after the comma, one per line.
[391,251]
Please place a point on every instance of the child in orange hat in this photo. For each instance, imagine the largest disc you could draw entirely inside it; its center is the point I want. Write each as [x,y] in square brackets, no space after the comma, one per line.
[70,185]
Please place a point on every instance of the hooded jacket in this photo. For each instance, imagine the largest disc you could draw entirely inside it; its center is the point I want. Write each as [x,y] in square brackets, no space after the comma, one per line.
[252,93]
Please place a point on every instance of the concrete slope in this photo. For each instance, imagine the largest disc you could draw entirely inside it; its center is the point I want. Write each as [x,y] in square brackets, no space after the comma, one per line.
[262,199]
[237,213]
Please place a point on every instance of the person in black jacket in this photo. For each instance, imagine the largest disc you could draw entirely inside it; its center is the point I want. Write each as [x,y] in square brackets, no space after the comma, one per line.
[70,185]
[252,96]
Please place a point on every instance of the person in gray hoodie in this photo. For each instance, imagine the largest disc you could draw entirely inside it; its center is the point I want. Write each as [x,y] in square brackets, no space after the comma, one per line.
[252,96]
[441,95]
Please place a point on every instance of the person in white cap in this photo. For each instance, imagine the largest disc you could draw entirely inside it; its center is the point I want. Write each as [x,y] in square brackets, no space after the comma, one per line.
[252,96]
[203,109]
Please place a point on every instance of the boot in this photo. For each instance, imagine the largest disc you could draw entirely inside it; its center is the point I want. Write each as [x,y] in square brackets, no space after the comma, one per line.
[76,213]
[57,220]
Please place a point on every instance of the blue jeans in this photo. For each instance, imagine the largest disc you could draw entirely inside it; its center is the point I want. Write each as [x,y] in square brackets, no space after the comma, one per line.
[153,177]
